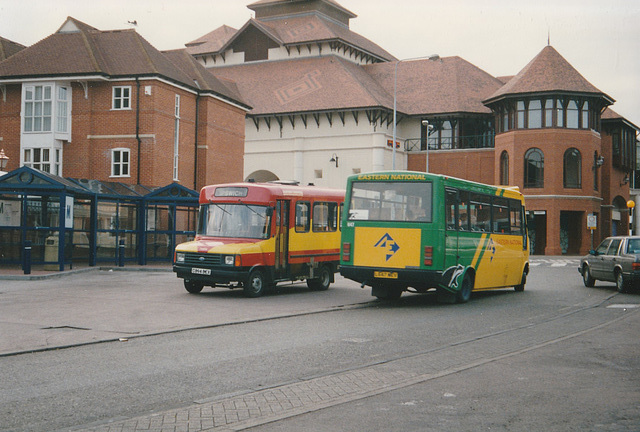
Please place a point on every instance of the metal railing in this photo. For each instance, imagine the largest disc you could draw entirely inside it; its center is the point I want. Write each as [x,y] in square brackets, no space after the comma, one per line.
[457,143]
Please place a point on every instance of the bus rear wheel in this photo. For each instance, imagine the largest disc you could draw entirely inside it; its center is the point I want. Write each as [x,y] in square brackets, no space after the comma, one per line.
[255,285]
[389,293]
[193,287]
[322,282]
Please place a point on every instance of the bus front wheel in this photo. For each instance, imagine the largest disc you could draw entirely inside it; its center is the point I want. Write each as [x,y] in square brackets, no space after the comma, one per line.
[192,287]
[464,294]
[523,281]
[255,285]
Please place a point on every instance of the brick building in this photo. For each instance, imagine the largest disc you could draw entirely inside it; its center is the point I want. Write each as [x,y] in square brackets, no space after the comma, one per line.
[103,105]
[108,140]
[324,109]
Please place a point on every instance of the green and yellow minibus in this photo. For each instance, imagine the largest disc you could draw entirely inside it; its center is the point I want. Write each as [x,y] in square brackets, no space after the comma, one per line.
[413,231]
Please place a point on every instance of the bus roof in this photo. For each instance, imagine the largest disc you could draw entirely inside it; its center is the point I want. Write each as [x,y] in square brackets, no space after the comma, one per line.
[261,193]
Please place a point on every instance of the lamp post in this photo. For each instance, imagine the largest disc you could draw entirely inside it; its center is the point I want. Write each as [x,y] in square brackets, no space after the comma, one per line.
[395,99]
[4,160]
[429,128]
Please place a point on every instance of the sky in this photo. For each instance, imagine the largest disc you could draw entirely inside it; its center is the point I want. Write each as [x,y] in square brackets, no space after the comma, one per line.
[600,38]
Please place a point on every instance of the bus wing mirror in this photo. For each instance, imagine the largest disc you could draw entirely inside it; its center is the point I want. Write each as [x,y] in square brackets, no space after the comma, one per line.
[269,211]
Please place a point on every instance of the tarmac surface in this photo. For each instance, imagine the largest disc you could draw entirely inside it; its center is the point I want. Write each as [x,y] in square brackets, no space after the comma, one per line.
[541,364]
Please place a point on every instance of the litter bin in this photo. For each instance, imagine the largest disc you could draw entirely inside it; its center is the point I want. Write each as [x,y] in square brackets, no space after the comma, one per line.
[51,253]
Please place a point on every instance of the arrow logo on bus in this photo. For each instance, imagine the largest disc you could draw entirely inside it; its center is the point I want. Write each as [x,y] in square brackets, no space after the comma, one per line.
[387,242]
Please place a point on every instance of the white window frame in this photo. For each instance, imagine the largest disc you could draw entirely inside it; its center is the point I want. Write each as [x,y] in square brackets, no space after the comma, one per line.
[118,167]
[42,158]
[176,138]
[37,108]
[118,102]
[62,109]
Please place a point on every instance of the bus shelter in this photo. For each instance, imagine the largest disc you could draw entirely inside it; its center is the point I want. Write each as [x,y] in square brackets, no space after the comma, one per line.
[55,221]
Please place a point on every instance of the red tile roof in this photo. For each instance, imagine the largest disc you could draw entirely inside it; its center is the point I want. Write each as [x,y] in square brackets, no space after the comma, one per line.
[305,85]
[445,85]
[211,42]
[449,85]
[290,31]
[9,48]
[119,53]
[547,72]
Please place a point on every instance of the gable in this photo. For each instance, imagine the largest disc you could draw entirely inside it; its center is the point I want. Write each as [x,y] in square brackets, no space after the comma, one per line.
[254,43]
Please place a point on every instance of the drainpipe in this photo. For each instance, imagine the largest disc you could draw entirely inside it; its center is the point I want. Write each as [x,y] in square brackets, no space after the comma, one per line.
[138,124]
[195,155]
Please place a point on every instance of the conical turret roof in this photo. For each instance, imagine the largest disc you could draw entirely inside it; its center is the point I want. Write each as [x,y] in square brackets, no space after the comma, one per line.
[548,72]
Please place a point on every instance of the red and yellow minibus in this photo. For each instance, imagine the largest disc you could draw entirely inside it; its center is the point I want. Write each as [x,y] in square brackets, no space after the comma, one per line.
[254,235]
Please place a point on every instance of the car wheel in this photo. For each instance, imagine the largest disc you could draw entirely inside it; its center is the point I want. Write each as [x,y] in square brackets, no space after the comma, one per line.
[621,284]
[255,285]
[322,282]
[587,279]
[193,287]
[464,294]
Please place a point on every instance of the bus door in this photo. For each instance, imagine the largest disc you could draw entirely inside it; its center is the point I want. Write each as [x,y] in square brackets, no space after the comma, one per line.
[282,236]
[452,221]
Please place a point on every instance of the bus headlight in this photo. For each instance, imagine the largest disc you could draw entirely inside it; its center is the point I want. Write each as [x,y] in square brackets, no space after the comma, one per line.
[229,260]
[180,257]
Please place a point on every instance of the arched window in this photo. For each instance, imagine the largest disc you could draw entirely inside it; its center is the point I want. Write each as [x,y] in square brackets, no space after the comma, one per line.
[572,169]
[504,168]
[534,168]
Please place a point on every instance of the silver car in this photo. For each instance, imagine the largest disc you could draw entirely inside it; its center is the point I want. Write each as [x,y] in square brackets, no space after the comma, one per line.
[616,259]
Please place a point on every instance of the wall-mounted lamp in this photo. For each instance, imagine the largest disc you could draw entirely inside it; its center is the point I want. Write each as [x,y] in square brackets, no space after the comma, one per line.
[334,158]
[600,161]
[4,160]
[625,180]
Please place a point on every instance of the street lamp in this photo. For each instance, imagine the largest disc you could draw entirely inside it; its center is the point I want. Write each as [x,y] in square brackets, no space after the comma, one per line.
[395,99]
[429,128]
[4,160]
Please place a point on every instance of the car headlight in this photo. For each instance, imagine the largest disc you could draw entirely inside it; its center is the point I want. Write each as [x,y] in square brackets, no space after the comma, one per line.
[180,257]
[229,259]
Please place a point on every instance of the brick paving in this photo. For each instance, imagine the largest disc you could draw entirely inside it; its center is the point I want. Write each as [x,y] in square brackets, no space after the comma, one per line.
[243,411]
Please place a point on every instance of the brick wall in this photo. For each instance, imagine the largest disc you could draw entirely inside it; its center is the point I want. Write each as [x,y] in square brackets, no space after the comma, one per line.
[97,129]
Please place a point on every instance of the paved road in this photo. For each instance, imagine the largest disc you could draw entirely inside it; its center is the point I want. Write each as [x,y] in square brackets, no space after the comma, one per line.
[539,355]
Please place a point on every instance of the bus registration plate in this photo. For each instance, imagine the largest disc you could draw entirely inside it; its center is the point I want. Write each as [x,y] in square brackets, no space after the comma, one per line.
[385,275]
[201,271]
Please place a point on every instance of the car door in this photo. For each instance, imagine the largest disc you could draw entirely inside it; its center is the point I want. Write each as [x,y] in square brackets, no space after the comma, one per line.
[610,260]
[596,265]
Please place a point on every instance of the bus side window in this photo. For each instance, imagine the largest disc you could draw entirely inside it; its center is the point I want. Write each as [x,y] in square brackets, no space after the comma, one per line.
[325,216]
[515,209]
[501,216]
[302,216]
[450,209]
[463,211]
[480,213]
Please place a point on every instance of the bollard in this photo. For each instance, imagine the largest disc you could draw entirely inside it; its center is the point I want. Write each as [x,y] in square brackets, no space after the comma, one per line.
[26,257]
[121,253]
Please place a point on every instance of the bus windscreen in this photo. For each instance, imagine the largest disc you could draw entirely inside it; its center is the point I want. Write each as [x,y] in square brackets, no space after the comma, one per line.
[234,220]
